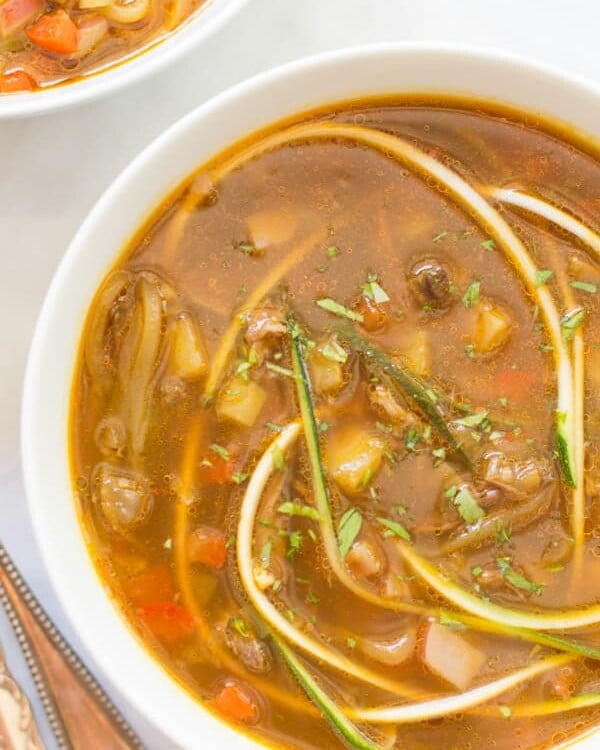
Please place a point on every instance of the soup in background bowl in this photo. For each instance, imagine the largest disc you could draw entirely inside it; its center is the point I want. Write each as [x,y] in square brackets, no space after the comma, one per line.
[56,54]
[327,421]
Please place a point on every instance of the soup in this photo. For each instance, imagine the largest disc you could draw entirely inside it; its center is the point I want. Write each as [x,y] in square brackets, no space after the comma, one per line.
[44,43]
[334,431]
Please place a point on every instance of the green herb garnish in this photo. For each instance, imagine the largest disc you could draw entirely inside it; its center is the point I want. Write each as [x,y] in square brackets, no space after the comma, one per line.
[585,286]
[471,296]
[326,303]
[348,529]
[542,277]
[393,528]
[293,508]
[516,579]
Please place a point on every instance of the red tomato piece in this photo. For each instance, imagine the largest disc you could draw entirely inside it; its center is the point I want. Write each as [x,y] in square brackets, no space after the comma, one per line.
[168,621]
[18,80]
[235,701]
[150,585]
[55,32]
[515,384]
[208,546]
[217,469]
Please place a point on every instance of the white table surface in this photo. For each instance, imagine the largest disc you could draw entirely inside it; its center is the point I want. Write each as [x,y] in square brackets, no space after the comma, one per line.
[53,169]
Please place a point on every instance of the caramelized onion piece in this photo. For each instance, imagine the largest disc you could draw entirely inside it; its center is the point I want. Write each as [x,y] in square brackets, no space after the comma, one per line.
[139,359]
[95,343]
[392,652]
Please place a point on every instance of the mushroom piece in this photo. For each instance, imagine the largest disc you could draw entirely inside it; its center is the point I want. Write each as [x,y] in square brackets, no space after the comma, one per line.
[264,323]
[251,650]
[429,282]
[123,496]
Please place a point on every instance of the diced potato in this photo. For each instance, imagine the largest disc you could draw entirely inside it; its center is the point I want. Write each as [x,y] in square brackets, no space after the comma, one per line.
[240,401]
[268,228]
[449,656]
[354,455]
[417,352]
[188,357]
[492,328]
[325,367]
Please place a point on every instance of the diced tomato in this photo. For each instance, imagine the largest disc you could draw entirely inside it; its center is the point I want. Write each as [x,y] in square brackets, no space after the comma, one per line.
[217,470]
[150,585]
[515,384]
[168,621]
[55,32]
[18,80]
[208,546]
[15,14]
[235,701]
[374,315]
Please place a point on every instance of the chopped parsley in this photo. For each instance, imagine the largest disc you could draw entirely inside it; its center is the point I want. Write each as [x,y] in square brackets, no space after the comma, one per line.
[326,303]
[516,579]
[571,321]
[293,508]
[488,245]
[348,529]
[239,477]
[393,528]
[411,439]
[248,248]
[479,419]
[440,236]
[240,626]
[278,459]
[373,290]
[585,286]
[333,351]
[279,370]
[439,456]
[333,251]
[466,504]
[220,451]
[265,553]
[542,277]
[295,540]
[471,296]
[351,642]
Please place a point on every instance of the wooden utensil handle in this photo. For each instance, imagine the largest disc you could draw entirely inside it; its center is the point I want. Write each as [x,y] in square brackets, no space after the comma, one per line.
[80,713]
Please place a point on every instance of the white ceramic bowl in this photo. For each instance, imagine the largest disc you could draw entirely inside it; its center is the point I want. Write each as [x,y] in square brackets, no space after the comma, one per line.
[190,34]
[157,170]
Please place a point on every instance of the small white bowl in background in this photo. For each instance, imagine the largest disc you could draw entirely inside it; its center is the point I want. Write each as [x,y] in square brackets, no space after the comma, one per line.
[158,55]
[251,105]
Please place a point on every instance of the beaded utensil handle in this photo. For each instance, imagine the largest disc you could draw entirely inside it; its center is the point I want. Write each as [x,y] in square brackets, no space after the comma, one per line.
[18,730]
[80,713]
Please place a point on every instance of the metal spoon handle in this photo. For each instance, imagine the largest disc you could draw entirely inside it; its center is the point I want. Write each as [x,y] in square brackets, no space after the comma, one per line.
[80,713]
[18,730]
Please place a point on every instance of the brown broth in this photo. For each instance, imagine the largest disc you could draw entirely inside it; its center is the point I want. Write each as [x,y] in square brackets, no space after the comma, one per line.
[26,65]
[381,219]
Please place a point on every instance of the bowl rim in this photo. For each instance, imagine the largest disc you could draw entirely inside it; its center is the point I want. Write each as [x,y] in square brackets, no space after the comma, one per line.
[159,55]
[34,375]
